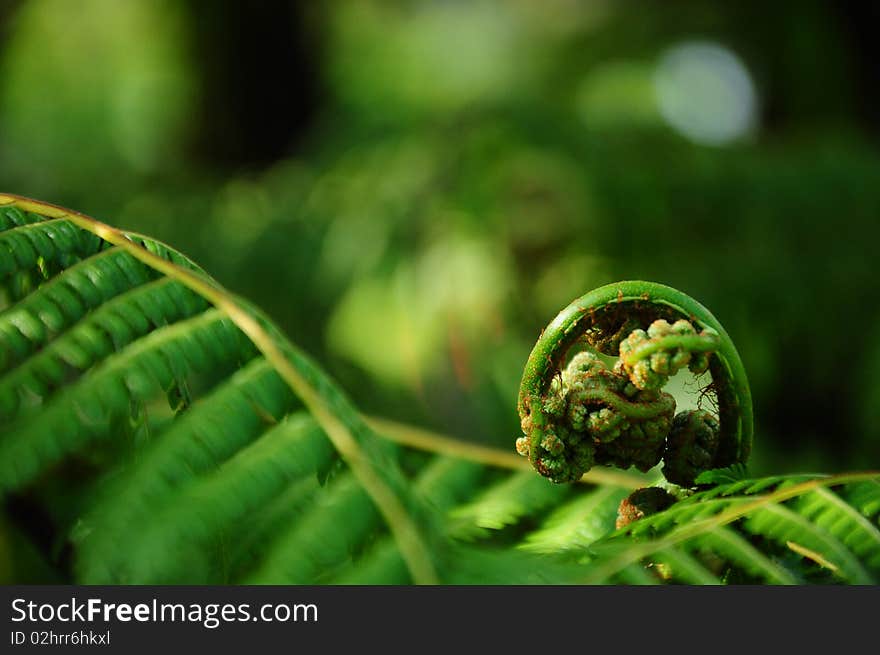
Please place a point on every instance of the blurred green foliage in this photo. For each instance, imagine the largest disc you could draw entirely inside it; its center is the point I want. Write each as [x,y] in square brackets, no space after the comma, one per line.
[472,168]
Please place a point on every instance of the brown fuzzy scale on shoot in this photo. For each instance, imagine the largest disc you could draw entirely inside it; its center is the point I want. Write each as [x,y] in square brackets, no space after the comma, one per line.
[642,503]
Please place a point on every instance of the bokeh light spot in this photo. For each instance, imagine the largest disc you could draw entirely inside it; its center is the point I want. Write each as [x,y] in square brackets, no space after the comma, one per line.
[705,92]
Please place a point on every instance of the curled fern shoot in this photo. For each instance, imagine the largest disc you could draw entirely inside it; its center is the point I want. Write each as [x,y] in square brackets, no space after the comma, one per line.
[576,412]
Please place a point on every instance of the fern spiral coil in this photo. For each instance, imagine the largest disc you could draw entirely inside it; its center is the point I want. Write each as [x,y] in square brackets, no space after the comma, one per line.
[578,413]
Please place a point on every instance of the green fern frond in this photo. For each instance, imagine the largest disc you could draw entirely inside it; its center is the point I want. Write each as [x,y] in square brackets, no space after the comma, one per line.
[170,433]
[109,328]
[676,564]
[505,503]
[575,525]
[207,516]
[788,519]
[210,432]
[447,481]
[88,410]
[733,473]
[245,545]
[443,483]
[736,549]
[36,239]
[68,296]
[324,538]
[380,565]
[865,496]
[125,364]
[829,511]
[795,531]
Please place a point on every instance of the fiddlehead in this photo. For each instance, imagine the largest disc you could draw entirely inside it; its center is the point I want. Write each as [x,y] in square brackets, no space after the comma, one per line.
[578,413]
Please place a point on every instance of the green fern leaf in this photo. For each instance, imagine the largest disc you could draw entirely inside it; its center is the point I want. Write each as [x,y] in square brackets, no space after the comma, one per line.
[575,525]
[731,546]
[677,564]
[827,510]
[443,483]
[865,496]
[788,519]
[789,528]
[185,539]
[169,433]
[94,340]
[505,503]
[732,473]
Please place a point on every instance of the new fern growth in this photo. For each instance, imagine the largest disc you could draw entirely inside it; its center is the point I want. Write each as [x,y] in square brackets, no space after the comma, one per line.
[577,412]
[156,429]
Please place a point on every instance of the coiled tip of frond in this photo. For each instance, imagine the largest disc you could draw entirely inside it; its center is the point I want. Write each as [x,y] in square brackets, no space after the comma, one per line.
[586,412]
